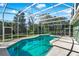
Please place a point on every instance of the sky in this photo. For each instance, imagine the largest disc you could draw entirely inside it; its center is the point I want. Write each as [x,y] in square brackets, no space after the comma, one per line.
[54,11]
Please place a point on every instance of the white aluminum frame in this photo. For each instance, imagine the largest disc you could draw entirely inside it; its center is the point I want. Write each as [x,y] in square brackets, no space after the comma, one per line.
[26,8]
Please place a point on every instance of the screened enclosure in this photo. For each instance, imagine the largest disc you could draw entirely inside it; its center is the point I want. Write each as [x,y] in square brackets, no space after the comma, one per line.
[19,20]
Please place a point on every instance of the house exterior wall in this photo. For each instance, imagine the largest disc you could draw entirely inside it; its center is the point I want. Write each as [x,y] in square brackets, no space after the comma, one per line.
[76,31]
[75,23]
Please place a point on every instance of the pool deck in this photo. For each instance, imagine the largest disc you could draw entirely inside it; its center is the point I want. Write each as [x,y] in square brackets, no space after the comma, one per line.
[63,46]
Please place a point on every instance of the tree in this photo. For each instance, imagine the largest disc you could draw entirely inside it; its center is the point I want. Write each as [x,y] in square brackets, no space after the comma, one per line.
[31,24]
[20,19]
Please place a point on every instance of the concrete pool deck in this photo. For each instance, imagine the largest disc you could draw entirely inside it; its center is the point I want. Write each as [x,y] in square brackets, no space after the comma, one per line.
[63,46]
[60,47]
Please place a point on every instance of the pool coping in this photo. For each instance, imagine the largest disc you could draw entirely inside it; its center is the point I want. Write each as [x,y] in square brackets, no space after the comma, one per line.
[4,51]
[7,44]
[4,47]
[51,42]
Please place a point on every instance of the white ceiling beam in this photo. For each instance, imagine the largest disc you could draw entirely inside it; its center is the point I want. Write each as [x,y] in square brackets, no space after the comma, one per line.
[68,6]
[26,8]
[60,11]
[46,9]
[4,7]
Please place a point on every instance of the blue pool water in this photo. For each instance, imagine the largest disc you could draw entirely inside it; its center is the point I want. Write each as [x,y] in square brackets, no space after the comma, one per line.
[38,46]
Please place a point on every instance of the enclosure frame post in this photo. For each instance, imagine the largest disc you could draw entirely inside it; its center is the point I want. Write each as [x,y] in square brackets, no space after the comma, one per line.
[3,35]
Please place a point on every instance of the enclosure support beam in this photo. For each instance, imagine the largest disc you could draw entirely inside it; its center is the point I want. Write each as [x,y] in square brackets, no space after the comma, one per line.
[33,29]
[27,31]
[12,31]
[18,27]
[44,29]
[48,27]
[38,29]
[26,8]
[3,36]
[74,8]
[41,28]
[69,30]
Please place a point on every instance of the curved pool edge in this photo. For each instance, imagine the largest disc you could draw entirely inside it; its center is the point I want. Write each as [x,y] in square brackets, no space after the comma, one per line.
[4,49]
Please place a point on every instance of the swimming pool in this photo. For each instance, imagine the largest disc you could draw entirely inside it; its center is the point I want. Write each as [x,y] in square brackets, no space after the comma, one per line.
[38,46]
